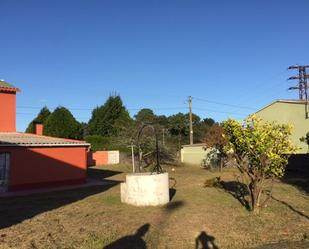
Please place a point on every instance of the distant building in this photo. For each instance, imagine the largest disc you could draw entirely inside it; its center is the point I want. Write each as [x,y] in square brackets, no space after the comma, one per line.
[291,112]
[33,160]
[193,154]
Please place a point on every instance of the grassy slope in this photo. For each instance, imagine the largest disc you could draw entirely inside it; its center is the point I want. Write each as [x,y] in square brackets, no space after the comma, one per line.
[94,217]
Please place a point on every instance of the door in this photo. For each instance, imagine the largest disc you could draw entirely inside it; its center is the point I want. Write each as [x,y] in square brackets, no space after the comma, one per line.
[4,171]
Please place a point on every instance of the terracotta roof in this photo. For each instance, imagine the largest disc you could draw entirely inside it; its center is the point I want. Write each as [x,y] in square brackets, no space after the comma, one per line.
[32,140]
[8,87]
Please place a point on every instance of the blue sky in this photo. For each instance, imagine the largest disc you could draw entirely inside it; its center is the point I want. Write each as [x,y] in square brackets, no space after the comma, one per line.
[153,53]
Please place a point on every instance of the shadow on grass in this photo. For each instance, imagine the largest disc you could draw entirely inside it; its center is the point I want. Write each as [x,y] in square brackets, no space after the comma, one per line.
[205,241]
[290,207]
[238,190]
[135,241]
[298,179]
[14,210]
[304,244]
[100,174]
[173,205]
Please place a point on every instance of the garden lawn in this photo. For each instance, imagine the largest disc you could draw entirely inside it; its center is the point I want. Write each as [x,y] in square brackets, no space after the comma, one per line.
[94,217]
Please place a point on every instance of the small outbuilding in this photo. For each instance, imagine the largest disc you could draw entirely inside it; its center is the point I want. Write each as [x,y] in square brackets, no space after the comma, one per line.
[30,161]
[293,112]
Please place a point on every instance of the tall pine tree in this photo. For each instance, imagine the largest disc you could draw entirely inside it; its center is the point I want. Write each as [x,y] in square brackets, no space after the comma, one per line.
[61,123]
[109,119]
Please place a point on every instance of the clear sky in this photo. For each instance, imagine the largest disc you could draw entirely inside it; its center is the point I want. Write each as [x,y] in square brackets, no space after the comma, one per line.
[153,53]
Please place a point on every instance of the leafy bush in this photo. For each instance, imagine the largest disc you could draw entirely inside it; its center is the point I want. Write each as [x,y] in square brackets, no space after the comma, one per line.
[213,183]
[98,142]
[105,143]
[212,159]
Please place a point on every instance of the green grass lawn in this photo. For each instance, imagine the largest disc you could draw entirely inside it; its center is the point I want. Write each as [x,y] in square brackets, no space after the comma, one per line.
[94,217]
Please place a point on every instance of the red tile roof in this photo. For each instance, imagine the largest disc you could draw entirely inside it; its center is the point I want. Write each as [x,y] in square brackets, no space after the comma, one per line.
[5,86]
[13,139]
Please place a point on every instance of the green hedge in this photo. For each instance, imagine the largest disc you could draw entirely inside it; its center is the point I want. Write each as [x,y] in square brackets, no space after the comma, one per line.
[105,143]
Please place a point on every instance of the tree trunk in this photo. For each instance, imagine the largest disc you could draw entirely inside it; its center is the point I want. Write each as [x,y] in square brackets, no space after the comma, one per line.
[255,196]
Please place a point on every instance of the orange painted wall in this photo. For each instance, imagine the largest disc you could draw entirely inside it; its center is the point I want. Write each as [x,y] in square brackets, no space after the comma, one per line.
[46,166]
[97,158]
[7,112]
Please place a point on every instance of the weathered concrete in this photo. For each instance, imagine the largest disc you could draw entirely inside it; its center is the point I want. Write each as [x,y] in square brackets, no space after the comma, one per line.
[145,189]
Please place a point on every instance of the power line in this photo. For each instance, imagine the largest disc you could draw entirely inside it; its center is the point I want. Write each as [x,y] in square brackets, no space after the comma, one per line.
[224,112]
[90,109]
[260,90]
[225,104]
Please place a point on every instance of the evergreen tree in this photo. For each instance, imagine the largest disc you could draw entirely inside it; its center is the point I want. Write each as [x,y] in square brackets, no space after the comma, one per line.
[145,116]
[61,123]
[109,119]
[41,118]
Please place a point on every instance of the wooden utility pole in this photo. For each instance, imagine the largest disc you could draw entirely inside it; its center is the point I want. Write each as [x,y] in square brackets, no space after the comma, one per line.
[163,137]
[190,119]
[133,161]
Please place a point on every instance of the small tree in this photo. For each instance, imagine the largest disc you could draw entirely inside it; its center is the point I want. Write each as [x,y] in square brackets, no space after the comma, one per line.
[216,141]
[261,150]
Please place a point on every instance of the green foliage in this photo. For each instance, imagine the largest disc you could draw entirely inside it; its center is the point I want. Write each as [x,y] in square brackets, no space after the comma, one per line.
[215,142]
[213,183]
[261,150]
[105,143]
[305,139]
[109,119]
[61,123]
[145,116]
[209,122]
[41,118]
[98,142]
[179,124]
[212,159]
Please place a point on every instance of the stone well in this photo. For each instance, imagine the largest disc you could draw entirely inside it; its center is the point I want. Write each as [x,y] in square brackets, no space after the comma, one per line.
[145,189]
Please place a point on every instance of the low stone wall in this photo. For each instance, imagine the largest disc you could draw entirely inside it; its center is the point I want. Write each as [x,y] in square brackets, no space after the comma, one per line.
[102,158]
[145,189]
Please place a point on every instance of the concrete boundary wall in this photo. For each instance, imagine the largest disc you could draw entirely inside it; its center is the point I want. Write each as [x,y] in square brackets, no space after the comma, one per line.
[102,158]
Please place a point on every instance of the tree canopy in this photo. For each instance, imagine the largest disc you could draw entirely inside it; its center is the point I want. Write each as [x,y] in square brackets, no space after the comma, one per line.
[61,123]
[145,116]
[109,119]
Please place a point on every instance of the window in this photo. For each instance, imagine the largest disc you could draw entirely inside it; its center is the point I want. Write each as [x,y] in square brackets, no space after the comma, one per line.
[4,169]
